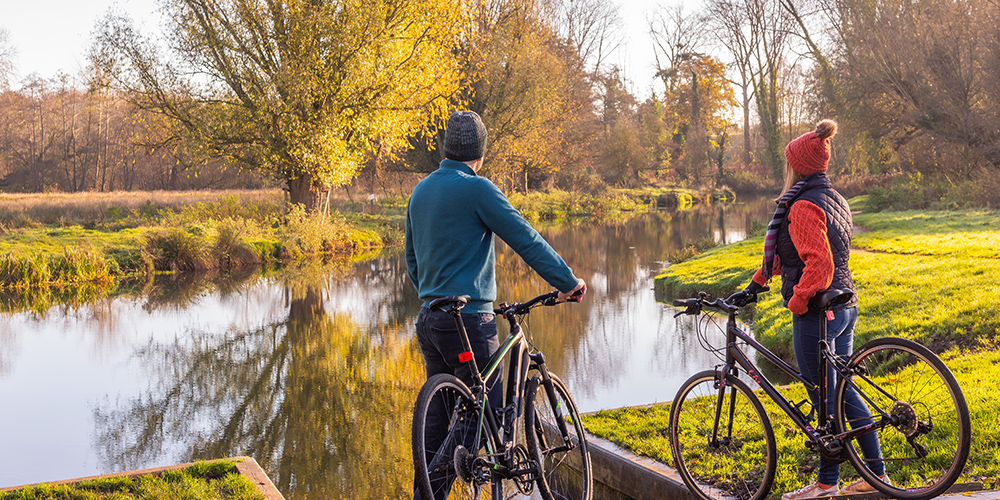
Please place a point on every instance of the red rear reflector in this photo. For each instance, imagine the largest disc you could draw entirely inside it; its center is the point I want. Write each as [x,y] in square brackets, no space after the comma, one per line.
[829,315]
[465,357]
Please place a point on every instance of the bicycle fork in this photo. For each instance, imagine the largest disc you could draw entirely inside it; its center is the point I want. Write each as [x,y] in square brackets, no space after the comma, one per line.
[720,381]
[538,360]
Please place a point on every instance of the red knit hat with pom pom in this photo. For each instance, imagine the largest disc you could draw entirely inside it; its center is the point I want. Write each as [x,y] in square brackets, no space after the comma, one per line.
[810,152]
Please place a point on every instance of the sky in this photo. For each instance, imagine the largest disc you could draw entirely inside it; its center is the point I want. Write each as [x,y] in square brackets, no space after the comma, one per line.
[53,35]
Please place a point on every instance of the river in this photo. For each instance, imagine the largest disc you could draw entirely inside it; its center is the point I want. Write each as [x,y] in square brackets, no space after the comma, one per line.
[313,372]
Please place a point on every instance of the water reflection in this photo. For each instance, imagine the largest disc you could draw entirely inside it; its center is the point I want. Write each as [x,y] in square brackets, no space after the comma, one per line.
[313,371]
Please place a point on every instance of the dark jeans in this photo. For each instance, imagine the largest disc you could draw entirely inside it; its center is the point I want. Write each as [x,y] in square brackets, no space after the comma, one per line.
[441,344]
[840,335]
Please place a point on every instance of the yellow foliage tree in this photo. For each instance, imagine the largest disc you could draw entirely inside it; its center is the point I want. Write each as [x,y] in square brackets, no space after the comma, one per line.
[300,89]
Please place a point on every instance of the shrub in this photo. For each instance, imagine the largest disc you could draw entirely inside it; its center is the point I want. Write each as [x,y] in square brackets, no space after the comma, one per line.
[177,250]
[690,250]
[230,249]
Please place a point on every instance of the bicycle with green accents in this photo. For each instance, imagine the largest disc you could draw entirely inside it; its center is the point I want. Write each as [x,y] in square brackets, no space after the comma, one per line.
[536,439]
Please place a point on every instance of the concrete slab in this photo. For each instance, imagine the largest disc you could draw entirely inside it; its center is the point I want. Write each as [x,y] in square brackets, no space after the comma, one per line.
[623,474]
[247,466]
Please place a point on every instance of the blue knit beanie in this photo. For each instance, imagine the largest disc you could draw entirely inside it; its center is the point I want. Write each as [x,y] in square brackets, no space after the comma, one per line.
[464,136]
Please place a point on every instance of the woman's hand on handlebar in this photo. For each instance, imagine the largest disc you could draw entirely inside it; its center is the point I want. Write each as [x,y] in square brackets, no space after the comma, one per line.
[574,295]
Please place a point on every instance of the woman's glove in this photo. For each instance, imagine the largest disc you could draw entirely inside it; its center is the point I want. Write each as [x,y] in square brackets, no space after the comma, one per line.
[748,295]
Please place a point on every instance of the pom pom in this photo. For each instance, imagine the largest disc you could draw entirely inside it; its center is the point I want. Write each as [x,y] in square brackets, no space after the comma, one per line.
[826,129]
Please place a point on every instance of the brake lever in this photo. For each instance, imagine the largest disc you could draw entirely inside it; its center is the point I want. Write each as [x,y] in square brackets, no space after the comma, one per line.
[689,310]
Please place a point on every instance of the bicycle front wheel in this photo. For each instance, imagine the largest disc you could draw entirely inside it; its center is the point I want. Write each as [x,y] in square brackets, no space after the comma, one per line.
[921,420]
[563,461]
[452,447]
[721,439]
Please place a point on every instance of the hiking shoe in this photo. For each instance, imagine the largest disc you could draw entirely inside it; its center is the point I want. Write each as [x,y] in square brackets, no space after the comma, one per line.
[811,490]
[862,486]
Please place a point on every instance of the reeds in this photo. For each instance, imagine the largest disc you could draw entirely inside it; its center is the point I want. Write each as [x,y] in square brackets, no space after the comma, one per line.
[137,234]
[35,209]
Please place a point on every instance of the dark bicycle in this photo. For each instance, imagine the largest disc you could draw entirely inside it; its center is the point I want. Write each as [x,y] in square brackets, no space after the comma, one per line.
[723,443]
[494,452]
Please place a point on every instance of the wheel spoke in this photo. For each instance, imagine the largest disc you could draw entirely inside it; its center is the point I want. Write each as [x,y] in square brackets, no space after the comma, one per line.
[723,447]
[565,471]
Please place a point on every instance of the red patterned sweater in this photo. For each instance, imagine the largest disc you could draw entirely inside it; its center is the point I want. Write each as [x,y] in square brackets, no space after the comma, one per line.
[807,228]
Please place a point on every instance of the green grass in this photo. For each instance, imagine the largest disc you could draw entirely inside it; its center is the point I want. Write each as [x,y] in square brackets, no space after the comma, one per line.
[218,480]
[931,277]
[928,276]
[967,234]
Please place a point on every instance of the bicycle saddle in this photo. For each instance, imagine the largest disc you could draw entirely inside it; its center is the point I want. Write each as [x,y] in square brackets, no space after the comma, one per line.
[443,302]
[832,298]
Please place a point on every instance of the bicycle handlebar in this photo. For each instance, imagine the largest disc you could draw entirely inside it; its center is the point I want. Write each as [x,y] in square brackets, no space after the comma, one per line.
[545,299]
[695,304]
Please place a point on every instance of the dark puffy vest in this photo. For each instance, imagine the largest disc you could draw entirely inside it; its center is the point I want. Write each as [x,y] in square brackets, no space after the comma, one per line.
[819,192]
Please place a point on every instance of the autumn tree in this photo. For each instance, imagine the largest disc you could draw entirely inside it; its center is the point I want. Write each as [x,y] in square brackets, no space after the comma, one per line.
[729,20]
[593,29]
[7,53]
[774,25]
[925,76]
[521,81]
[299,89]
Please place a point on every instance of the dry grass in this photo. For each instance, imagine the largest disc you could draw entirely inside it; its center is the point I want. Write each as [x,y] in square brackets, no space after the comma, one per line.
[26,209]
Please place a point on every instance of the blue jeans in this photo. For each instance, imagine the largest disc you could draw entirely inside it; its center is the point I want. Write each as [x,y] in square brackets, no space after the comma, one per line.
[840,335]
[441,344]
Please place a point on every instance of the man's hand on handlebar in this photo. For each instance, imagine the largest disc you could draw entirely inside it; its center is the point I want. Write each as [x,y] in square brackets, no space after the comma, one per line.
[574,295]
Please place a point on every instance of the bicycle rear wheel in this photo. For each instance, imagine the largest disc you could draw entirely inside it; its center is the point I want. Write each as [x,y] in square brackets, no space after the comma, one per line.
[564,465]
[921,418]
[722,442]
[452,447]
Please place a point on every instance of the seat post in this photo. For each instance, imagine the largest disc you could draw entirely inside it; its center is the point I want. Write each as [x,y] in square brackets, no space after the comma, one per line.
[456,312]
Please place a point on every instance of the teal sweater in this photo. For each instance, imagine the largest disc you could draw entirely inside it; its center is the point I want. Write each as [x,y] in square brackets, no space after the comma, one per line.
[450,222]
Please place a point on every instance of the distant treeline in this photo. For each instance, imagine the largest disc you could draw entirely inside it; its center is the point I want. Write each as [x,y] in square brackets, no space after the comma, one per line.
[57,136]
[226,96]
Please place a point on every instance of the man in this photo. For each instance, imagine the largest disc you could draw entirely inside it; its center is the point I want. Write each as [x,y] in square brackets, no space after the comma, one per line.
[450,222]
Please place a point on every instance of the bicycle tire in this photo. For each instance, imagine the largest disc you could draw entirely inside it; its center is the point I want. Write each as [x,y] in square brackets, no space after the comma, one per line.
[742,466]
[907,381]
[567,473]
[435,474]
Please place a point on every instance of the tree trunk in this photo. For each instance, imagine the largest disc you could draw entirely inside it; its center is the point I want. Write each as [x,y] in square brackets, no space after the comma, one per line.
[300,190]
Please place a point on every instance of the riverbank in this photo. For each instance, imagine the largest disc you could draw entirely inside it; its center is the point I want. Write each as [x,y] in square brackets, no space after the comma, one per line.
[239,478]
[95,241]
[88,243]
[557,204]
[928,276]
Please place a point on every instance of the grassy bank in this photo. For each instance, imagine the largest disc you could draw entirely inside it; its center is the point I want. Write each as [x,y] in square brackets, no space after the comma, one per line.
[96,241]
[218,480]
[928,276]
[555,204]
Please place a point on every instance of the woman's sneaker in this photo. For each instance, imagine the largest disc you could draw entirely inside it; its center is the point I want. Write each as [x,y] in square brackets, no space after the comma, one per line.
[862,486]
[811,490]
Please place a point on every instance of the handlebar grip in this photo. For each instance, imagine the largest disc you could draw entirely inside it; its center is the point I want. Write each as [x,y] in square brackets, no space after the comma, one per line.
[692,302]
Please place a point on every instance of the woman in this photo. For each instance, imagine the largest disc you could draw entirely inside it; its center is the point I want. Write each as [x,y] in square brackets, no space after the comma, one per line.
[808,242]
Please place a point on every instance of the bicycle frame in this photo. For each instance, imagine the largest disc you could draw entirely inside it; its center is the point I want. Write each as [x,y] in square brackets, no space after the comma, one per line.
[521,361]
[822,433]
